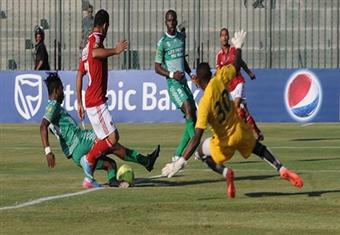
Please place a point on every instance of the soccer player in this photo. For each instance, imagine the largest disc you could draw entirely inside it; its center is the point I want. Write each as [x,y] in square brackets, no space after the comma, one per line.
[230,133]
[236,85]
[94,62]
[170,62]
[76,142]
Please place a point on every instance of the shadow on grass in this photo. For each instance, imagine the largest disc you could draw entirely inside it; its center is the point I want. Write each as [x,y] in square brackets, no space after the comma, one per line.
[162,182]
[319,159]
[244,162]
[276,194]
[315,139]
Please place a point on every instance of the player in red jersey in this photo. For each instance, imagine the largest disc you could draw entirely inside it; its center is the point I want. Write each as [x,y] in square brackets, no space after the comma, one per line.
[94,63]
[236,86]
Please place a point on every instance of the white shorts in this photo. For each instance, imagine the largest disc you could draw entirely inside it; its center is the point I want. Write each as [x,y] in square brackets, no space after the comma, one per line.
[206,147]
[238,92]
[101,120]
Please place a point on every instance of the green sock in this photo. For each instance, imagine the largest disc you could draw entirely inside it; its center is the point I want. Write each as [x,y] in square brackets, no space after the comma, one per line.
[190,126]
[134,156]
[188,133]
[111,174]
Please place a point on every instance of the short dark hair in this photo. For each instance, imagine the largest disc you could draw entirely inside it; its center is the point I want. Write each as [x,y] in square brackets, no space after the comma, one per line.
[52,81]
[101,18]
[224,29]
[171,12]
[203,71]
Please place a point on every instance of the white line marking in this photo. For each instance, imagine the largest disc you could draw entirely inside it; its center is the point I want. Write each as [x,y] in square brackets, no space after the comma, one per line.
[170,148]
[272,171]
[44,199]
[305,147]
[307,124]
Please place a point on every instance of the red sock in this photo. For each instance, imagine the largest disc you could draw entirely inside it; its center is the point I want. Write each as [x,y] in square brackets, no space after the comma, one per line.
[242,114]
[251,122]
[101,146]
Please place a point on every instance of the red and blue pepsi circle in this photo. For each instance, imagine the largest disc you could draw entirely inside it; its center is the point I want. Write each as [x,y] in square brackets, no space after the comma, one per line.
[303,96]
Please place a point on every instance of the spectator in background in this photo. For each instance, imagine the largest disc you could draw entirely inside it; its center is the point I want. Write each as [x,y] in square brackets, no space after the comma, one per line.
[41,55]
[86,27]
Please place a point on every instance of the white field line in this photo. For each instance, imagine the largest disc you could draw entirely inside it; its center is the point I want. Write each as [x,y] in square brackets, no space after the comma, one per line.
[44,199]
[170,148]
[50,198]
[273,171]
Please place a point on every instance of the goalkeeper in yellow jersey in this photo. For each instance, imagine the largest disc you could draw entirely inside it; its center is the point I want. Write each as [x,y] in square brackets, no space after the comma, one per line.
[230,133]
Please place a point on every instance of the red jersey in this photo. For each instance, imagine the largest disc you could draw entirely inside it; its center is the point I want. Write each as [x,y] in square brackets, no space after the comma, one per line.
[96,69]
[223,58]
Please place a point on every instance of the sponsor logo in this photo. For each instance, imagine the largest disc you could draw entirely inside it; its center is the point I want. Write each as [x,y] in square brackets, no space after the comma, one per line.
[303,96]
[28,94]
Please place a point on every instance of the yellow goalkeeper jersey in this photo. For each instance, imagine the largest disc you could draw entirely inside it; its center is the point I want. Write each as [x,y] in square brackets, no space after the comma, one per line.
[216,107]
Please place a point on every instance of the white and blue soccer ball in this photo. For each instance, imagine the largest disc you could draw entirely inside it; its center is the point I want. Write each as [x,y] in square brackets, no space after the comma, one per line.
[303,96]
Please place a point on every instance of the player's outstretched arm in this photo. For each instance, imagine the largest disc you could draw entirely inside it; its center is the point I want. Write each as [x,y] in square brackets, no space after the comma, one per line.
[79,87]
[44,138]
[193,144]
[172,169]
[247,70]
[102,53]
[238,41]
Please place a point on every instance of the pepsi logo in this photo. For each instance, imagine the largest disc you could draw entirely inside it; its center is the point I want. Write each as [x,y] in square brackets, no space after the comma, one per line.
[303,96]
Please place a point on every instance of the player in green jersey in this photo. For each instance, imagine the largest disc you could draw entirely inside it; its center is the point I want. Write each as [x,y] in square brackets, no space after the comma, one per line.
[170,62]
[76,142]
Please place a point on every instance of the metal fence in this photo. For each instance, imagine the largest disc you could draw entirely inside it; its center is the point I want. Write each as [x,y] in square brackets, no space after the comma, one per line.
[281,33]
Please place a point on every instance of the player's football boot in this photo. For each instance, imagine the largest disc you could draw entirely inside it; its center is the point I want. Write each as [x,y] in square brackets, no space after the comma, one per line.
[90,183]
[152,158]
[87,168]
[230,183]
[291,176]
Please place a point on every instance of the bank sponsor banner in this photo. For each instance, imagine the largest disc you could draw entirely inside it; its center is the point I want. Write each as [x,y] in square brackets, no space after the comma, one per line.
[277,95]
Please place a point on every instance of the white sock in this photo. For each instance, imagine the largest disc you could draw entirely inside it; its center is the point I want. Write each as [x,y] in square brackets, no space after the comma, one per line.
[225,171]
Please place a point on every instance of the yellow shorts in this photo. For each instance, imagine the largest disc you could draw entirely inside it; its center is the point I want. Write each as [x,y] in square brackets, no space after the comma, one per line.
[241,139]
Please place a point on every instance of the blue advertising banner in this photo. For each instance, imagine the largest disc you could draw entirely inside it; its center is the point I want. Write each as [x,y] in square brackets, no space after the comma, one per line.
[277,95]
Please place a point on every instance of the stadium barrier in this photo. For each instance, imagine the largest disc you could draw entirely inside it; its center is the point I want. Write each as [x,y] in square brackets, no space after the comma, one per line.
[140,96]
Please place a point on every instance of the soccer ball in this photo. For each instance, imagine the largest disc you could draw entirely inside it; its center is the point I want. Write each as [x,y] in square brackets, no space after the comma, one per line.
[125,174]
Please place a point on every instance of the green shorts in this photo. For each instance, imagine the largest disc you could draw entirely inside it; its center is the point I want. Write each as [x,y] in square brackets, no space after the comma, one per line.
[87,140]
[180,92]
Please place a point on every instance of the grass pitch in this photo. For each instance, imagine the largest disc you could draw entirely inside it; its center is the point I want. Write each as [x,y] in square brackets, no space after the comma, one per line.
[194,202]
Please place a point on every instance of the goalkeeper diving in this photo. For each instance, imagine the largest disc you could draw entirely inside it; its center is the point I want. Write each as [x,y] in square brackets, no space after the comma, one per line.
[230,132]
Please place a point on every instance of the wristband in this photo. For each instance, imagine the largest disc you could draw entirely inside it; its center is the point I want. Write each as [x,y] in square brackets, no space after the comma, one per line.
[47,150]
[171,74]
[192,74]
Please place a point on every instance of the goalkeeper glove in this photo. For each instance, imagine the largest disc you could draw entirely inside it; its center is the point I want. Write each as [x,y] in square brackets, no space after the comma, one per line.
[171,169]
[239,39]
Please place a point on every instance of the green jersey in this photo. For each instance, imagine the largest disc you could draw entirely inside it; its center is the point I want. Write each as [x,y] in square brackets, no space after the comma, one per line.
[63,126]
[170,52]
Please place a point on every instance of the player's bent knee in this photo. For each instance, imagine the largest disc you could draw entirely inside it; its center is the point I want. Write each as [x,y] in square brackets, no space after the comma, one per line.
[114,138]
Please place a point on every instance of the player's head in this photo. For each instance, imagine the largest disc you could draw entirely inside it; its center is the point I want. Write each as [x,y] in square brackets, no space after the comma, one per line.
[204,74]
[39,34]
[55,87]
[224,37]
[171,21]
[101,21]
[90,10]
